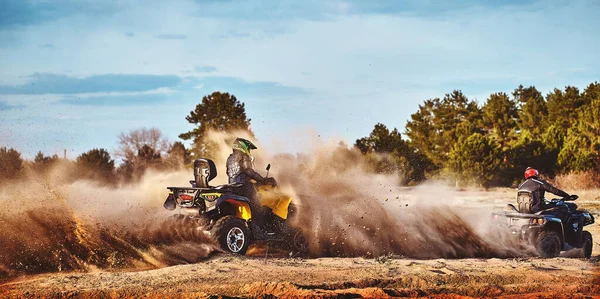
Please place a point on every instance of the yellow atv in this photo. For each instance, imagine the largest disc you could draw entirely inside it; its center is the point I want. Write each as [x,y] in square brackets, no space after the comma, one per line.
[229,217]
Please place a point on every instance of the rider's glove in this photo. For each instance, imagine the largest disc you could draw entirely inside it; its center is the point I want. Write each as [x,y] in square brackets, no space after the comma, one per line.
[270,181]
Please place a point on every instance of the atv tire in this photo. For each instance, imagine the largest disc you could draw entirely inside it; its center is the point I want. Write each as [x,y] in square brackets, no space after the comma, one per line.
[587,242]
[297,243]
[548,244]
[231,234]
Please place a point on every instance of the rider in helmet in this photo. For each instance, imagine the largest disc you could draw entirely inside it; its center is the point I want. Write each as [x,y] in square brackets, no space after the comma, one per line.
[538,187]
[240,169]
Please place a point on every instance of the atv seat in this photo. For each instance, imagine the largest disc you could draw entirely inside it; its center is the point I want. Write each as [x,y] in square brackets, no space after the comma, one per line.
[204,171]
[525,202]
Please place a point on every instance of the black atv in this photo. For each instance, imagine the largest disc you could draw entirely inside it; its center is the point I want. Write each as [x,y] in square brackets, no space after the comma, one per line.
[551,229]
[230,218]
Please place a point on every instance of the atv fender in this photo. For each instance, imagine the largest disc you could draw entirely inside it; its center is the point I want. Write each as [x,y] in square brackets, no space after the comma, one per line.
[555,224]
[237,206]
[170,203]
[588,218]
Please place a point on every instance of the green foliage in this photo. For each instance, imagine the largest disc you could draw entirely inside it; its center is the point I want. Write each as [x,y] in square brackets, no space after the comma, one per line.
[439,124]
[553,140]
[11,164]
[564,107]
[578,153]
[500,117]
[533,111]
[589,116]
[554,137]
[526,151]
[581,149]
[591,93]
[559,134]
[96,164]
[422,131]
[387,152]
[218,111]
[381,140]
[474,159]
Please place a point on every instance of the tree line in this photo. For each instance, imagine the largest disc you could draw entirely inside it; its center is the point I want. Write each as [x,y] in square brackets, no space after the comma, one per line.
[139,150]
[492,144]
[451,137]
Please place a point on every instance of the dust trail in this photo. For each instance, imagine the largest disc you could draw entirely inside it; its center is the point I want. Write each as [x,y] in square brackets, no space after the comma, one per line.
[48,226]
[348,211]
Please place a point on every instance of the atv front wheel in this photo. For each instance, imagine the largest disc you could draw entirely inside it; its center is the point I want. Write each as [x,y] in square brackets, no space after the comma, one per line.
[548,244]
[587,242]
[232,234]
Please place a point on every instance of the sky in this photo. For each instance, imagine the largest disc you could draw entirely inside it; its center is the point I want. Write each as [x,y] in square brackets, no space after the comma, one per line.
[75,74]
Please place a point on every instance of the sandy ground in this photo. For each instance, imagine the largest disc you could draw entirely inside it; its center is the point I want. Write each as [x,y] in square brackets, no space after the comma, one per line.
[266,276]
[235,276]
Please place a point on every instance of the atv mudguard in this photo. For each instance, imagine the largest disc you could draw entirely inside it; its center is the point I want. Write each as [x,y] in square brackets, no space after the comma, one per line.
[588,218]
[170,203]
[276,201]
[241,203]
[555,224]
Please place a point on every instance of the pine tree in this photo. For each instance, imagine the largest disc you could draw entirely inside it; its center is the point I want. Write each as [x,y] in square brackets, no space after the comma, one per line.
[218,111]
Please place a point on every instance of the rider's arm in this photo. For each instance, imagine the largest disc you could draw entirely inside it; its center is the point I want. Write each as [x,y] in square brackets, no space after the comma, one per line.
[249,171]
[549,188]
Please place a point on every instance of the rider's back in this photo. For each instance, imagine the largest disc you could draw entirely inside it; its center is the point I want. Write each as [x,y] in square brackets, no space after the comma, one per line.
[538,188]
[235,168]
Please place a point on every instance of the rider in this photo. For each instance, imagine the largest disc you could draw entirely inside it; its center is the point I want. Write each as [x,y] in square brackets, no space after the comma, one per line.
[538,187]
[240,169]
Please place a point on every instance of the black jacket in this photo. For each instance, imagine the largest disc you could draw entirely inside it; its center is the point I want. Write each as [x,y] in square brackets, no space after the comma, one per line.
[239,169]
[538,188]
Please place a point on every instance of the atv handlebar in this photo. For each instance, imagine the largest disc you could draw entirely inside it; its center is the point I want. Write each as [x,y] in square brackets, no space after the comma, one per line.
[572,197]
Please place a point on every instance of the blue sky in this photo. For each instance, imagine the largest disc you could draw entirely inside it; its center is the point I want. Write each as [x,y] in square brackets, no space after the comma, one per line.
[75,74]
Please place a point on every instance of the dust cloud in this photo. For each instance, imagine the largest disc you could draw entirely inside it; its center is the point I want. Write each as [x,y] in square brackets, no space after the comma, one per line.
[345,210]
[47,225]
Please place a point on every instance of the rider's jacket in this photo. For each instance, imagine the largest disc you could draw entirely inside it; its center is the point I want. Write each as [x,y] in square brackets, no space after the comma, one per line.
[239,169]
[538,188]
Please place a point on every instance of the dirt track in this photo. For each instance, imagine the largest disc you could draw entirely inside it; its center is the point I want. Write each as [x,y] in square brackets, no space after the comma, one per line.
[256,276]
[234,276]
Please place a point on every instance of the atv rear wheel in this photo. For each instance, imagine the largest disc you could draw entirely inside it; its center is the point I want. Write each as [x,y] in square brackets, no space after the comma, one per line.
[297,243]
[587,242]
[232,234]
[548,244]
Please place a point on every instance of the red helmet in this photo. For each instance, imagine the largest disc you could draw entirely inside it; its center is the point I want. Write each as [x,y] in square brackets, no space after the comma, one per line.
[531,172]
